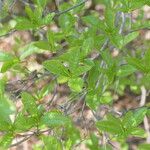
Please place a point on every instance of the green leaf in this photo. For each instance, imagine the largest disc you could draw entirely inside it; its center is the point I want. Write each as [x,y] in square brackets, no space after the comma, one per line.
[93,75]
[128,120]
[112,118]
[138,132]
[146,59]
[128,38]
[45,90]
[56,67]
[137,63]
[144,146]
[87,46]
[42,45]
[76,84]
[42,3]
[29,12]
[5,57]
[139,115]
[110,126]
[24,24]
[6,109]
[30,104]
[83,67]
[92,99]
[110,17]
[47,19]
[29,50]
[66,22]
[55,119]
[133,119]
[51,142]
[9,64]
[125,70]
[51,39]
[106,98]
[6,140]
[23,122]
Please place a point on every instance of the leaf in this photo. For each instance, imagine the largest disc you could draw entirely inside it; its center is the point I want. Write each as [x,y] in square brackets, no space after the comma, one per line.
[144,146]
[56,67]
[92,99]
[29,50]
[128,38]
[83,67]
[23,122]
[139,115]
[146,59]
[45,90]
[42,45]
[51,142]
[128,120]
[9,64]
[111,117]
[106,98]
[6,109]
[133,119]
[29,12]
[110,126]
[91,20]
[138,132]
[42,3]
[137,64]
[29,103]
[76,84]
[24,24]
[126,70]
[110,17]
[47,19]
[6,140]
[66,22]
[87,46]
[54,119]
[93,75]
[5,57]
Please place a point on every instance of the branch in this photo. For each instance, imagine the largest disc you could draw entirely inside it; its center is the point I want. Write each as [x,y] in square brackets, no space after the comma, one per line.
[71,8]
[142,103]
[21,141]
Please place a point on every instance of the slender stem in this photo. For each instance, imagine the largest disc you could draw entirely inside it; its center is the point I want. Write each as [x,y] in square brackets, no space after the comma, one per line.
[71,8]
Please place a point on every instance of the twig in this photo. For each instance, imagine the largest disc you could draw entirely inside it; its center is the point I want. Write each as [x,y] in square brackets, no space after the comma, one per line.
[56,14]
[143,96]
[53,96]
[142,103]
[71,8]
[21,141]
[122,23]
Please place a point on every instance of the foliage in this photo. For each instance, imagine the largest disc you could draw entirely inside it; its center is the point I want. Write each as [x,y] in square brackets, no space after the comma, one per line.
[86,65]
